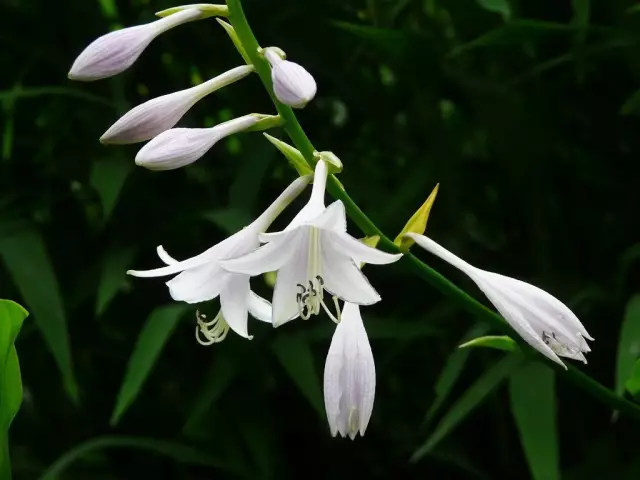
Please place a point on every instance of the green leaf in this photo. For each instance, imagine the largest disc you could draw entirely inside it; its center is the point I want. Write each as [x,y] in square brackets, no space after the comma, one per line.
[108,178]
[452,369]
[628,343]
[469,400]
[25,256]
[581,12]
[113,276]
[230,220]
[631,104]
[501,342]
[533,404]
[160,324]
[633,383]
[293,155]
[11,317]
[294,353]
[497,6]
[176,451]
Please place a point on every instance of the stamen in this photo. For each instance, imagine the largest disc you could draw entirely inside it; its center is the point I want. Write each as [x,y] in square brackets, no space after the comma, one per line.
[560,348]
[311,301]
[352,421]
[208,333]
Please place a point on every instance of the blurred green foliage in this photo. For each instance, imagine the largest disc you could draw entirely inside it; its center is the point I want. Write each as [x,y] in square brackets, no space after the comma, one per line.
[525,113]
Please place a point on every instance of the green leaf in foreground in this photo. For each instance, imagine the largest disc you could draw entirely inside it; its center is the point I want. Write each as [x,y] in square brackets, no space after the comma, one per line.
[533,404]
[633,383]
[469,400]
[11,317]
[628,343]
[25,256]
[150,343]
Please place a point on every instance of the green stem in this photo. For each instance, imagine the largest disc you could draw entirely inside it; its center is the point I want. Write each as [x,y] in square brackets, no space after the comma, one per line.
[302,143]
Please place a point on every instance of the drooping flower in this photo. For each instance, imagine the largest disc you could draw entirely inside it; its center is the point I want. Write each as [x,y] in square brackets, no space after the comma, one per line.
[542,320]
[292,84]
[202,278]
[160,114]
[116,51]
[179,147]
[312,254]
[349,376]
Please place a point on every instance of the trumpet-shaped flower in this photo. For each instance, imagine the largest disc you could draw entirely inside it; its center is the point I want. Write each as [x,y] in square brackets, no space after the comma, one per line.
[202,278]
[155,116]
[312,254]
[349,376]
[114,52]
[292,84]
[179,147]
[542,320]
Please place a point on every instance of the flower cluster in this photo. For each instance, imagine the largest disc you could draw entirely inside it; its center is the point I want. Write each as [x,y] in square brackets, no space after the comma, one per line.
[315,258]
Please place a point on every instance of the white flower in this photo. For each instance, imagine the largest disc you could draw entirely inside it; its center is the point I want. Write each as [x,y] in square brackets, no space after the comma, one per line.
[349,376]
[116,51]
[292,84]
[202,278]
[314,253]
[155,116]
[542,320]
[178,147]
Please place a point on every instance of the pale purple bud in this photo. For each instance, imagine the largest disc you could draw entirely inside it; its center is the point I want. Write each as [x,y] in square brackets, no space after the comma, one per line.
[292,84]
[155,116]
[178,147]
[116,51]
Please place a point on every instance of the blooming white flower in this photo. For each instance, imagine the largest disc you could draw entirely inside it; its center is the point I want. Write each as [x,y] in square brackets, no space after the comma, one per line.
[179,147]
[116,51]
[202,278]
[349,376]
[292,84]
[159,114]
[542,320]
[312,254]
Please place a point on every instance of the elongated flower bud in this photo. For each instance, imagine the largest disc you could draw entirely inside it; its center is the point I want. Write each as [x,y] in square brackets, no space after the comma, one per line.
[116,51]
[155,116]
[178,147]
[292,84]
[349,376]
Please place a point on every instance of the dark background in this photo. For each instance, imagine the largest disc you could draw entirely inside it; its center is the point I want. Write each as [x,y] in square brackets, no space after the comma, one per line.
[527,120]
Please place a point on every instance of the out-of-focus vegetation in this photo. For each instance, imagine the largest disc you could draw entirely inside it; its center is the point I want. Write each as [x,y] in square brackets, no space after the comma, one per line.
[525,113]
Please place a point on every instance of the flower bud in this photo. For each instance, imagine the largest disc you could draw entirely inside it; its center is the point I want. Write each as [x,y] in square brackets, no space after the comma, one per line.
[116,51]
[178,147]
[155,116]
[292,84]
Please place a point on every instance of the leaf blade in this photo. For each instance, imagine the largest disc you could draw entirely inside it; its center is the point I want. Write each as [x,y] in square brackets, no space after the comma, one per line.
[628,343]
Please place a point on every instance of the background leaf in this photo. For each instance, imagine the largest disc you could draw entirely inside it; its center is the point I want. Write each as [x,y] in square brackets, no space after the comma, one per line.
[151,341]
[628,343]
[533,404]
[24,254]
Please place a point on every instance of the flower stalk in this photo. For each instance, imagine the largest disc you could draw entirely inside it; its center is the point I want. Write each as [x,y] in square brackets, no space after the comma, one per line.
[300,140]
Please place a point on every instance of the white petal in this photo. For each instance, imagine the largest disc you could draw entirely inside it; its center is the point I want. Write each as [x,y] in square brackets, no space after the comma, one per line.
[179,147]
[516,319]
[332,218]
[164,256]
[155,116]
[360,252]
[259,308]
[294,272]
[343,278]
[199,284]
[234,303]
[208,256]
[333,391]
[116,51]
[268,258]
